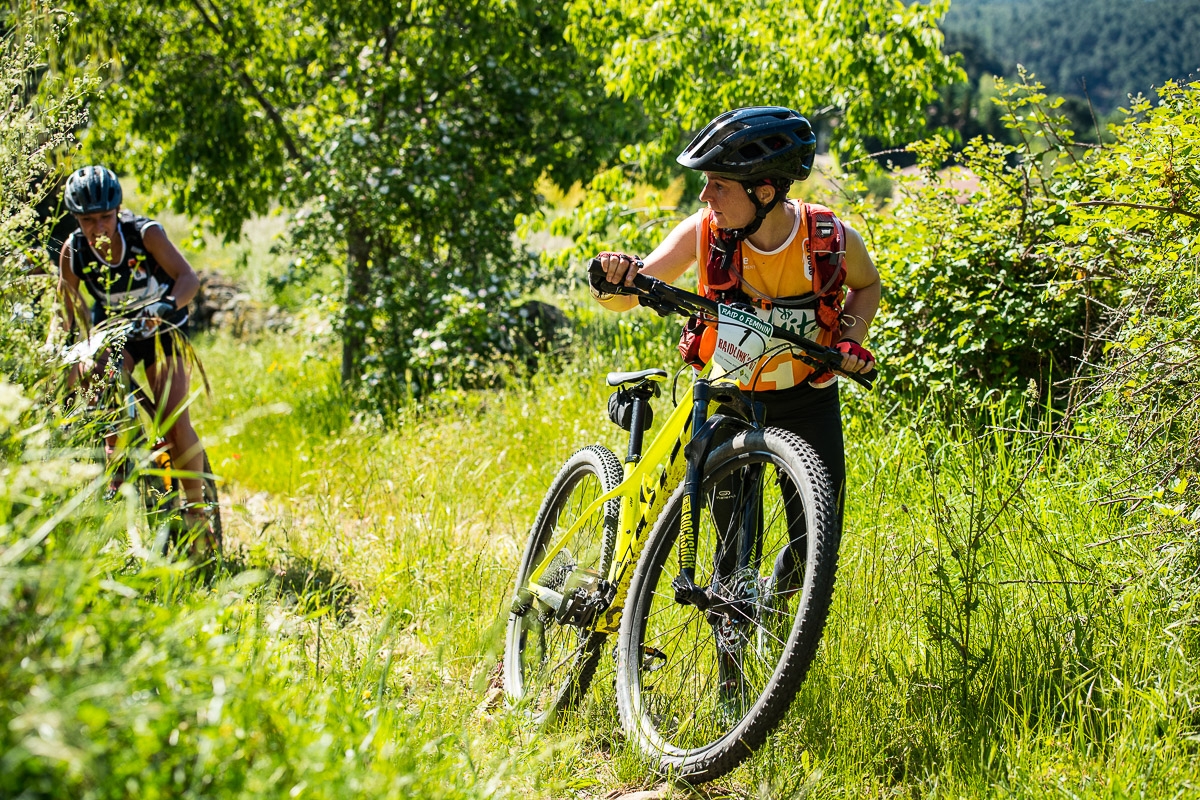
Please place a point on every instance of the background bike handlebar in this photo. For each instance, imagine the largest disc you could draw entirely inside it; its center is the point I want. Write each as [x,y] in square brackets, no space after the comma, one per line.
[667,299]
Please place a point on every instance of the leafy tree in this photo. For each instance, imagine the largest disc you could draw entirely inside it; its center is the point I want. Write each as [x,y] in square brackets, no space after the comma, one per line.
[1044,261]
[408,136]
[858,69]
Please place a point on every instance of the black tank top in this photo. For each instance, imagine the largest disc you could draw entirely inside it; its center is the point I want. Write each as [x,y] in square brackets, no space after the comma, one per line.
[131,284]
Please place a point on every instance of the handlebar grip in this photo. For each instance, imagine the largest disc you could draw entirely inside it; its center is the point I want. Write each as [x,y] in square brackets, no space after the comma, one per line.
[597,280]
[643,282]
[864,379]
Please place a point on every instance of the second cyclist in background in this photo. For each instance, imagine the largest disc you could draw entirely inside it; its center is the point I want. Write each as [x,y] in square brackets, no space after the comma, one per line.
[130,268]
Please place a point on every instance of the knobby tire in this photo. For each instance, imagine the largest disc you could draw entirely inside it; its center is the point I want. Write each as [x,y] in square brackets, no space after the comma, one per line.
[548,665]
[699,692]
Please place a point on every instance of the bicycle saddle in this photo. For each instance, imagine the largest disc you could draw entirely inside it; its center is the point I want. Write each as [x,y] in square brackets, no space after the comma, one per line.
[622,378]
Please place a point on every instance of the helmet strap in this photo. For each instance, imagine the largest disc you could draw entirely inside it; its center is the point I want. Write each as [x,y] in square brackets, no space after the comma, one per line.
[761,210]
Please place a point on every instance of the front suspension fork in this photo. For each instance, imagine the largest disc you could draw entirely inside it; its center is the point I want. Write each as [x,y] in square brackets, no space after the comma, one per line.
[704,430]
[686,590]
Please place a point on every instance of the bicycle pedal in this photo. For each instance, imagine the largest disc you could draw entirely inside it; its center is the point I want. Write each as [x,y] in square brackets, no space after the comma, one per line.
[653,659]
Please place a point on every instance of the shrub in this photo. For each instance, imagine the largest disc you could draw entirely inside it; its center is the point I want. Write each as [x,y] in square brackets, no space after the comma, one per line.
[983,288]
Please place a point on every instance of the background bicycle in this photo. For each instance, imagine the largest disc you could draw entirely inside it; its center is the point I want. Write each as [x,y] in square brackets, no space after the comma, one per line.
[123,415]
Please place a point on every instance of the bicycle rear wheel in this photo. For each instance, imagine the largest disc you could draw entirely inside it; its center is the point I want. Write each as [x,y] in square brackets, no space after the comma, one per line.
[163,498]
[700,690]
[549,663]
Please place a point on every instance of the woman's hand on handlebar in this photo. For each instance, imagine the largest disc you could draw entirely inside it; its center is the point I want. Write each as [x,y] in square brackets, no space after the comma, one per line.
[614,269]
[855,357]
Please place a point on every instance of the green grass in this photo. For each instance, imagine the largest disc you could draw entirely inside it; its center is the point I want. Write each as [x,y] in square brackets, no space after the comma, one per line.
[991,633]
[981,639]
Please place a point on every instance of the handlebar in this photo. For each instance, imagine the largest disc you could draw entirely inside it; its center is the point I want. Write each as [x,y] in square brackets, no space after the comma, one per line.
[134,323]
[667,299]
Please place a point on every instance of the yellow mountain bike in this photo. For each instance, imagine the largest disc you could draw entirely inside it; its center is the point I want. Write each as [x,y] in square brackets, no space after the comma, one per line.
[711,555]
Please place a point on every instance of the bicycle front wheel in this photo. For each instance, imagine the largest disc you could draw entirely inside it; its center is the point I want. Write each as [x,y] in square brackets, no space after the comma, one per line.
[699,689]
[548,663]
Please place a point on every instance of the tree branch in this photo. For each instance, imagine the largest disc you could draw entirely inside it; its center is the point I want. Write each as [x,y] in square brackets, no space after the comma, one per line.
[1143,206]
[244,78]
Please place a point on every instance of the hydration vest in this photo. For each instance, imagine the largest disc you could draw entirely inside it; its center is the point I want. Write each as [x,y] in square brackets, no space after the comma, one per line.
[815,313]
[122,288]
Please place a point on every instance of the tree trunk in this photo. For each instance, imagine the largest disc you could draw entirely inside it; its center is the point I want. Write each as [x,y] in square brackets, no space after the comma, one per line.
[357,313]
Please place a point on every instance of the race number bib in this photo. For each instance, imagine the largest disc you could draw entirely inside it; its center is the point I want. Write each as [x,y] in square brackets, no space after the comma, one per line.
[741,339]
[801,321]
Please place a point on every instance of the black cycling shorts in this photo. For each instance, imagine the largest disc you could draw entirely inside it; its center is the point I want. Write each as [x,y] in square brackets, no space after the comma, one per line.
[148,351]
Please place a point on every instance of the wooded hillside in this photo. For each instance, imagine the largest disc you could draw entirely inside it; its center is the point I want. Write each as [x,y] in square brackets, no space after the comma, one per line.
[1117,47]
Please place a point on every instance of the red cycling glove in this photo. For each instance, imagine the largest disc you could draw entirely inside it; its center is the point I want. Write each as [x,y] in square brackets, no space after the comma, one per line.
[853,348]
[849,347]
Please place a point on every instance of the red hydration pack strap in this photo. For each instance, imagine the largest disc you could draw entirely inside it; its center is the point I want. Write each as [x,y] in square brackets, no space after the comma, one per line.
[827,251]
[719,278]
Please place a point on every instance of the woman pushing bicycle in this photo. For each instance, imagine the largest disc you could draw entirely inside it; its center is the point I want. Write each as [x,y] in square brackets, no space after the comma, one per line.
[712,551]
[133,271]
[791,261]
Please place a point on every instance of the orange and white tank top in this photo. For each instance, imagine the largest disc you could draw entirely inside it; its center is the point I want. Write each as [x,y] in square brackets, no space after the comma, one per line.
[785,273]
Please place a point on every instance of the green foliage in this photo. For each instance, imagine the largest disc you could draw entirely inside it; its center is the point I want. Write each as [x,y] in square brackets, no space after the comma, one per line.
[32,129]
[986,287]
[859,69]
[407,137]
[992,630]
[135,683]
[685,62]
[1145,217]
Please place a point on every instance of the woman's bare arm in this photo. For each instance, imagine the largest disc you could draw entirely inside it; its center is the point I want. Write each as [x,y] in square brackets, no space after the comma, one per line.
[172,261]
[668,261]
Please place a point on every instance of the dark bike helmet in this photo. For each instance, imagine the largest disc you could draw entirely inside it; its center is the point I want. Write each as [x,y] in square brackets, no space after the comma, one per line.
[754,145]
[92,189]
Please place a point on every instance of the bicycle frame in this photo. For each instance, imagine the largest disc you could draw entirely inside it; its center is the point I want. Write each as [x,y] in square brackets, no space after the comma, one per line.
[643,495]
[646,486]
[648,483]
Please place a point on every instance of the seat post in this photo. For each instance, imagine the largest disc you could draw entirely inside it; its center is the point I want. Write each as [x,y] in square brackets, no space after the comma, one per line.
[644,386]
[637,428]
